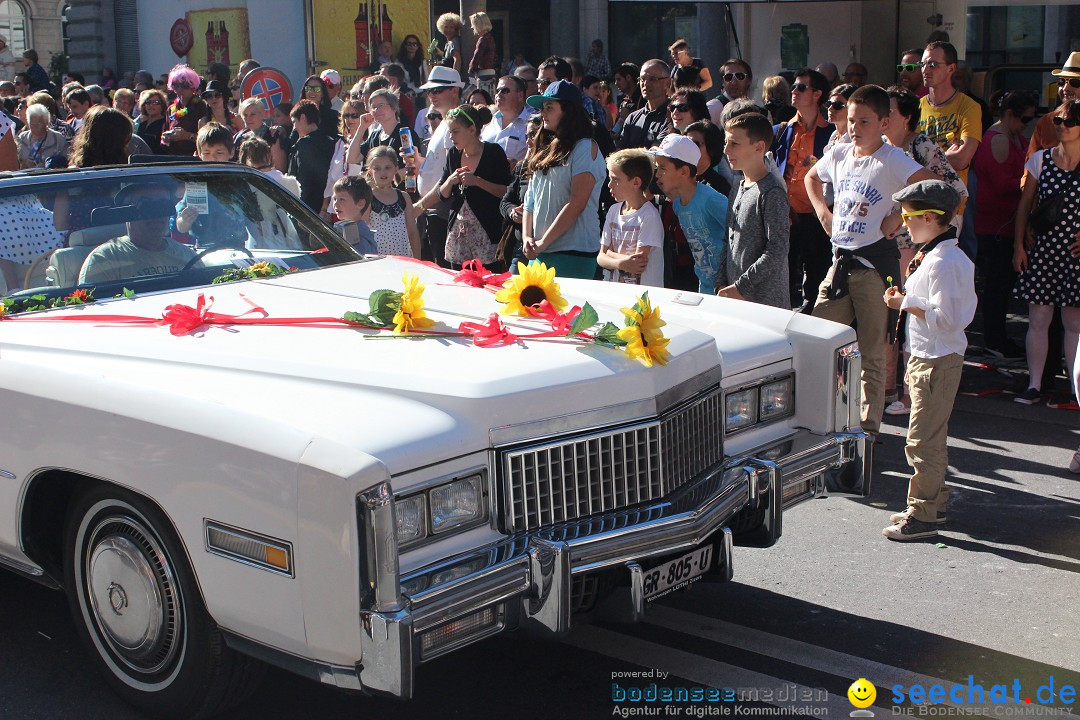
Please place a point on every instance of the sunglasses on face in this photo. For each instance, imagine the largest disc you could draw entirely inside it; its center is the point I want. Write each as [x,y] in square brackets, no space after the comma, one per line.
[800,87]
[181,85]
[502,90]
[835,104]
[916,213]
[210,95]
[932,64]
[907,67]
[1067,122]
[351,116]
[153,102]
[1071,82]
[544,83]
[312,88]
[728,77]
[680,107]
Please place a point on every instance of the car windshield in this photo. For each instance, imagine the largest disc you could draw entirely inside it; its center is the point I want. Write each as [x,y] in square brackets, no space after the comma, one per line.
[151,229]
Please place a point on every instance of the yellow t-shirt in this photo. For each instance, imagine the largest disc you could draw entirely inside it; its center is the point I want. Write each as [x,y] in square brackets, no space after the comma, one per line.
[960,118]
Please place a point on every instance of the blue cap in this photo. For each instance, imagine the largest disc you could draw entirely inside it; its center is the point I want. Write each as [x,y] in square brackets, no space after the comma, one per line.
[562,90]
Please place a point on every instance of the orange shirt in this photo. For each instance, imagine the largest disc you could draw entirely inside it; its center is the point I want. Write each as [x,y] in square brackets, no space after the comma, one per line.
[799,161]
[1044,136]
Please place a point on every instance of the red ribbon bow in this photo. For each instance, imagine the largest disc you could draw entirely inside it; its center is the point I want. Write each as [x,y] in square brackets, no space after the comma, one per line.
[560,322]
[475,274]
[184,319]
[490,334]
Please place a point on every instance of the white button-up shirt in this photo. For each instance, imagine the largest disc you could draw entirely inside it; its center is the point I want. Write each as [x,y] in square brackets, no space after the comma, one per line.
[943,287]
[511,136]
[431,171]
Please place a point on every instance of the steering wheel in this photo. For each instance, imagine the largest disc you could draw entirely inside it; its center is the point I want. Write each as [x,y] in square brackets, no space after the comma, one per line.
[206,251]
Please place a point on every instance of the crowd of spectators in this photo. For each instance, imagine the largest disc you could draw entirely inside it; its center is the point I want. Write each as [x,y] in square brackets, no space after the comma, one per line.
[465,158]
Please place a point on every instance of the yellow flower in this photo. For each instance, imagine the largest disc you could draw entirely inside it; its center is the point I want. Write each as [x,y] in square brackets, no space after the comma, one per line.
[410,315]
[260,268]
[643,337]
[531,286]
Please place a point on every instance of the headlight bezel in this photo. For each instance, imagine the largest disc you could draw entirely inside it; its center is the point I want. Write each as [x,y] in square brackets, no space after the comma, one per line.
[478,476]
[756,388]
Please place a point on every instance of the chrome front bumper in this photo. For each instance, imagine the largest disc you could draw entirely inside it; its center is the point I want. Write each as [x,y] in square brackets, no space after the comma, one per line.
[527,578]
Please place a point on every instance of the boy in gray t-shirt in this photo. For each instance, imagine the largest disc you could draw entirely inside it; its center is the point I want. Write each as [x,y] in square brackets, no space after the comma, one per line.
[756,268]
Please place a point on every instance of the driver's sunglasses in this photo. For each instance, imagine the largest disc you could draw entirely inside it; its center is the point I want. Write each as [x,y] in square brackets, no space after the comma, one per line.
[728,77]
[1071,82]
[907,67]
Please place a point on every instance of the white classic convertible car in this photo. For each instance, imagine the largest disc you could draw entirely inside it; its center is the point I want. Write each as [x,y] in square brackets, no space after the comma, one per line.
[213,443]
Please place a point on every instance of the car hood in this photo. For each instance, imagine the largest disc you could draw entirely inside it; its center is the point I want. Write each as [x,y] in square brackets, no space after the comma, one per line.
[404,401]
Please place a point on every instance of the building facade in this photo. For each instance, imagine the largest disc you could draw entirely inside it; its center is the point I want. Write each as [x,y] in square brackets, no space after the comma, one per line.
[34,24]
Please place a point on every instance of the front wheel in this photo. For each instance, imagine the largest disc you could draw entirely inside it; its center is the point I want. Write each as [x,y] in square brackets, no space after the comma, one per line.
[138,610]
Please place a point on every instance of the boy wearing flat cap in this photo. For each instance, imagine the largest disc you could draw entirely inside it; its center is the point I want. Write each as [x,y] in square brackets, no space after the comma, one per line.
[937,305]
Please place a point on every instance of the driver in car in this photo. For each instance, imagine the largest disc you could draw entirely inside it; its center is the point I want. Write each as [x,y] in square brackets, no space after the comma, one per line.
[147,248]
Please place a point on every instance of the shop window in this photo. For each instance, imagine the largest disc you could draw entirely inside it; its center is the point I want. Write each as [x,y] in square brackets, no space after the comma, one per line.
[638,31]
[1005,35]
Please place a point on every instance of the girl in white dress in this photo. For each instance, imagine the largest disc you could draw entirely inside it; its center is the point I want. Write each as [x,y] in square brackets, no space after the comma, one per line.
[392,216]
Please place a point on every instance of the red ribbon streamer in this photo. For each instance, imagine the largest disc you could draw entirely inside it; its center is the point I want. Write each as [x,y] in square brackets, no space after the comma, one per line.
[475,274]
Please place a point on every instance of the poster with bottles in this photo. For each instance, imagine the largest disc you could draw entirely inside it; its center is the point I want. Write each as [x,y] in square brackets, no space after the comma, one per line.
[220,36]
[352,35]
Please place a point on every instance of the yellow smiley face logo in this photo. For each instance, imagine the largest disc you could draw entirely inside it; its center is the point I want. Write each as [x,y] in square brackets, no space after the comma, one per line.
[862,693]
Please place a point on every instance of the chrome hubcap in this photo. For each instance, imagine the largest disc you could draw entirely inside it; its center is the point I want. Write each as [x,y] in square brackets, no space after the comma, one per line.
[132,593]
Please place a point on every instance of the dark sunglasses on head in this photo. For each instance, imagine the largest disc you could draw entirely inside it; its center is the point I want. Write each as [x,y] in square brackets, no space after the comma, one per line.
[728,77]
[680,107]
[1067,122]
[907,67]
[1072,82]
[800,87]
[835,104]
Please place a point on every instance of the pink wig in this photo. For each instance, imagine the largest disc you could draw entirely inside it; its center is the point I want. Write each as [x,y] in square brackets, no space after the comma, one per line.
[183,75]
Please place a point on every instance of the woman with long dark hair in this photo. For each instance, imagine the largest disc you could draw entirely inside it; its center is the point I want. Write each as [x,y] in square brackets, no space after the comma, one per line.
[315,91]
[411,57]
[560,223]
[103,138]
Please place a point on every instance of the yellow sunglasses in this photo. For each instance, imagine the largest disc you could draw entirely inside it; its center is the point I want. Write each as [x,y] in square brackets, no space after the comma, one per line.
[915,213]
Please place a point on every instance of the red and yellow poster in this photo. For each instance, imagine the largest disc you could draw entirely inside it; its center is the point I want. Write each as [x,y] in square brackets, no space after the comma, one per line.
[220,36]
[348,32]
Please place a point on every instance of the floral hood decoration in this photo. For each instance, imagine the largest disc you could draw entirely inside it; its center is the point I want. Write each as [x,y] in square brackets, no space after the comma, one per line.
[533,296]
[253,272]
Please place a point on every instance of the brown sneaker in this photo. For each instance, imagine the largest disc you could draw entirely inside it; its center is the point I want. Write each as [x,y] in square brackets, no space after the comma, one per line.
[910,529]
[898,517]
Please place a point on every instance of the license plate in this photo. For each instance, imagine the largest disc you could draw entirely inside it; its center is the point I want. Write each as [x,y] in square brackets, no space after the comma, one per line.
[677,573]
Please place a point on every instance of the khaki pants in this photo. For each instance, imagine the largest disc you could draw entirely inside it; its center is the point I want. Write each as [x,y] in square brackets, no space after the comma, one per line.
[933,384]
[863,303]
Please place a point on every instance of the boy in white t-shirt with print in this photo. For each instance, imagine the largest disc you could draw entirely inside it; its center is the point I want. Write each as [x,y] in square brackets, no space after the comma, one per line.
[865,174]
[632,244]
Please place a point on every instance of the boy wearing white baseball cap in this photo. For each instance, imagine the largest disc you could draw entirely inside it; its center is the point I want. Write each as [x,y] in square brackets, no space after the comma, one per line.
[702,211]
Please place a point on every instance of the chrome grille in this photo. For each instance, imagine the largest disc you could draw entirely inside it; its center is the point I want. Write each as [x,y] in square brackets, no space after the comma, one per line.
[613,469]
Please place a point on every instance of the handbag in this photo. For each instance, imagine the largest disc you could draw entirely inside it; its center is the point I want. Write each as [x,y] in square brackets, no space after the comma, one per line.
[1046,214]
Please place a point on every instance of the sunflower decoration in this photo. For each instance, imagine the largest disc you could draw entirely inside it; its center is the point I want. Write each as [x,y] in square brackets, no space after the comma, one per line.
[642,335]
[532,285]
[410,312]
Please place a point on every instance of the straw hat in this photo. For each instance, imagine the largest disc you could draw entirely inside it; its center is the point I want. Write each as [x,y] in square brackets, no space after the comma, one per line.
[1071,69]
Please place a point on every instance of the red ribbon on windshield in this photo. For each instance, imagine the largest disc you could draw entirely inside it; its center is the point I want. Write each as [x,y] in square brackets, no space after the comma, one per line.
[475,274]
